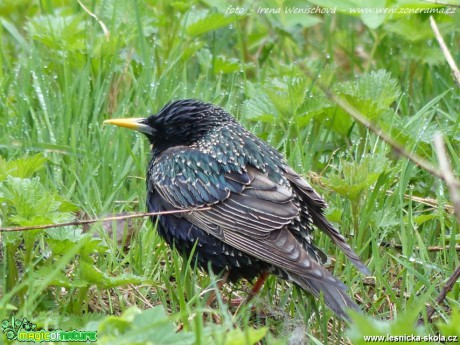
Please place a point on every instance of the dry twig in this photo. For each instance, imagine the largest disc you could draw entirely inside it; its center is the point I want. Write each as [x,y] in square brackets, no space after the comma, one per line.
[360,118]
[450,60]
[449,178]
[448,175]
[428,249]
[90,221]
[101,23]
[442,295]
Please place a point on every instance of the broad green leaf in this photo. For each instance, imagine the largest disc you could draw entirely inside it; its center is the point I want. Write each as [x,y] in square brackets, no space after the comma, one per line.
[411,28]
[181,6]
[237,336]
[59,278]
[337,119]
[224,65]
[209,22]
[357,177]
[452,326]
[60,32]
[341,6]
[29,203]
[373,19]
[419,220]
[151,326]
[363,327]
[372,93]
[297,16]
[23,167]
[61,240]
[92,275]
[260,108]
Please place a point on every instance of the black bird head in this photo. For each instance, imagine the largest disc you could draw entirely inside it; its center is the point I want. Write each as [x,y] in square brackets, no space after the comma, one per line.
[182,122]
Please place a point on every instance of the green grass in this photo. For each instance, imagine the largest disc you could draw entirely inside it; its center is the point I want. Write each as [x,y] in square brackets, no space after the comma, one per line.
[60,77]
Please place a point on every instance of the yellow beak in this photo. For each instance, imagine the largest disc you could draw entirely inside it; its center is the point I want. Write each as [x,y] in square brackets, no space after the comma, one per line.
[135,123]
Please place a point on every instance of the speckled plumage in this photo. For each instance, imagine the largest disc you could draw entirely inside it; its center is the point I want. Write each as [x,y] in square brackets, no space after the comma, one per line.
[261,214]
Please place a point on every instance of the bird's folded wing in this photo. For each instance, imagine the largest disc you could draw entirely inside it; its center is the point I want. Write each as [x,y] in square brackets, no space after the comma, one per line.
[247,210]
[246,202]
[187,178]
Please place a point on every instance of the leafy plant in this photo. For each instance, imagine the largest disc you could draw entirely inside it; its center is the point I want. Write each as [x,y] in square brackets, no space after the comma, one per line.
[134,326]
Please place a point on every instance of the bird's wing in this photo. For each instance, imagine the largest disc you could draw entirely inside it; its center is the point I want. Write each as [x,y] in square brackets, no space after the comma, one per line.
[245,202]
[247,210]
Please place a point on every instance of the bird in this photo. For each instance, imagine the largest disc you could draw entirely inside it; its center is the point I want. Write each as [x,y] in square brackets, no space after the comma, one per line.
[249,213]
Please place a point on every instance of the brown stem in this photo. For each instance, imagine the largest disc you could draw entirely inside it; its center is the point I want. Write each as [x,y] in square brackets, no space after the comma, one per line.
[90,221]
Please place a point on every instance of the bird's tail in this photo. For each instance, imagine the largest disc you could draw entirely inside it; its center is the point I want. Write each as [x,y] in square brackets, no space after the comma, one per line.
[334,293]
[321,222]
[316,206]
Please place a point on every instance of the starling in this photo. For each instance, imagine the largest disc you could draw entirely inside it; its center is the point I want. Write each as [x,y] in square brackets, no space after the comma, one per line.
[260,213]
